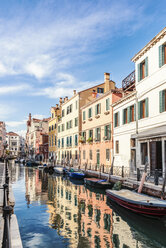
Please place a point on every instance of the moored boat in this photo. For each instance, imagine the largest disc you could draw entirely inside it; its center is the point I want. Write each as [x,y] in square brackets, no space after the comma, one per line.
[58,170]
[77,175]
[138,203]
[97,183]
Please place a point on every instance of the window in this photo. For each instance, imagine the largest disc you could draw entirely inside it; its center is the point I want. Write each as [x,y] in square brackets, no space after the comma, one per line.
[107,104]
[76,140]
[63,113]
[52,127]
[108,154]
[116,119]
[84,136]
[76,121]
[143,69]
[132,113]
[117,146]
[125,116]
[98,109]
[84,116]
[162,101]
[97,134]
[55,125]
[100,90]
[76,104]
[90,154]
[144,153]
[162,55]
[67,141]
[52,115]
[107,132]
[129,114]
[76,155]
[143,109]
[89,112]
[70,140]
[59,142]
[58,129]
[55,140]
[62,127]
[69,109]
[91,133]
[83,154]
[52,140]
[62,141]
[49,129]
[70,124]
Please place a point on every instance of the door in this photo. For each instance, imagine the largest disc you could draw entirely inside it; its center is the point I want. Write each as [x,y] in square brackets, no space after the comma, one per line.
[156,156]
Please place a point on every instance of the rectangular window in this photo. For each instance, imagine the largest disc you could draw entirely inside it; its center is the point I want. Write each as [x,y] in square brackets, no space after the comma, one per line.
[52,115]
[97,134]
[69,109]
[70,124]
[144,153]
[59,142]
[100,90]
[67,141]
[116,119]
[89,112]
[162,101]
[107,104]
[70,140]
[162,55]
[91,134]
[76,104]
[55,125]
[55,140]
[90,154]
[52,127]
[49,129]
[107,132]
[76,122]
[52,140]
[84,136]
[63,113]
[62,141]
[58,129]
[117,146]
[108,154]
[76,140]
[132,113]
[142,69]
[84,117]
[83,154]
[98,109]
[143,109]
[125,116]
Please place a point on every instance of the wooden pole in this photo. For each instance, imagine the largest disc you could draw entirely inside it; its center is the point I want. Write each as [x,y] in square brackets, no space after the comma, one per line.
[163,188]
[143,178]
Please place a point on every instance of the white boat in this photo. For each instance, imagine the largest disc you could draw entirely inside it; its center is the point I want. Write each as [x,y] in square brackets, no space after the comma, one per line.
[58,170]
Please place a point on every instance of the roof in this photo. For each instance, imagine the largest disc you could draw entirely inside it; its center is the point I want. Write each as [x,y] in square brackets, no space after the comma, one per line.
[151,133]
[12,134]
[124,98]
[150,44]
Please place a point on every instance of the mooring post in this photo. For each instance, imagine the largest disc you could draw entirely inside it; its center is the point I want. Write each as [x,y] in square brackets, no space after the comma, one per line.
[156,177]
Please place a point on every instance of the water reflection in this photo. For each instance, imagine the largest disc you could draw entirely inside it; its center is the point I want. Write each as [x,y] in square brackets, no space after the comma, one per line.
[74,216]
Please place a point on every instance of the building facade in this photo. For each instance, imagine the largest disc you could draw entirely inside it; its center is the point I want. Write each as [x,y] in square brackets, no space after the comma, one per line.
[2,139]
[70,125]
[14,147]
[147,132]
[96,141]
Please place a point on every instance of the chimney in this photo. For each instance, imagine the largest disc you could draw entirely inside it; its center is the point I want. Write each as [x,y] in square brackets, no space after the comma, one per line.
[57,105]
[66,98]
[108,84]
[30,117]
[94,94]
[60,101]
[74,92]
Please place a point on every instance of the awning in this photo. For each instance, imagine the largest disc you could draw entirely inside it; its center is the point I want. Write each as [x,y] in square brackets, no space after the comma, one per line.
[151,133]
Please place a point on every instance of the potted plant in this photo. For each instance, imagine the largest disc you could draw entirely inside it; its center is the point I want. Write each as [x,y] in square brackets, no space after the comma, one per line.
[81,140]
[90,140]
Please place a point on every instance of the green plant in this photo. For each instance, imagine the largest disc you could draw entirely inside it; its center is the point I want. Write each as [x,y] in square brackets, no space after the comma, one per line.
[90,140]
[82,139]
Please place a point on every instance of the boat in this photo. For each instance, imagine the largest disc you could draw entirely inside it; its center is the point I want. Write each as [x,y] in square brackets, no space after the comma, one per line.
[32,163]
[42,166]
[97,183]
[138,203]
[76,175]
[58,170]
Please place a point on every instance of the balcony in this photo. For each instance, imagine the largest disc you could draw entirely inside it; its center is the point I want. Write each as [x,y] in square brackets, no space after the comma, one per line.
[128,84]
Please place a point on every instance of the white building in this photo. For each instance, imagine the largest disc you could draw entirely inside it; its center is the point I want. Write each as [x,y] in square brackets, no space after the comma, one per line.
[147,132]
[14,144]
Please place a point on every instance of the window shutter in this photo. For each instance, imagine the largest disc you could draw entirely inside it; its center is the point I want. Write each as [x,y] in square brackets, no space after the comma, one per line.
[146,66]
[139,110]
[109,132]
[114,121]
[96,133]
[105,130]
[139,71]
[123,116]
[89,134]
[160,56]
[95,109]
[162,101]
[146,107]
[134,112]
[128,115]
[83,115]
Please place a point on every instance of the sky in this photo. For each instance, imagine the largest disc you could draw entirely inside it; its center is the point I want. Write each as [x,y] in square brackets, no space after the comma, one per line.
[48,48]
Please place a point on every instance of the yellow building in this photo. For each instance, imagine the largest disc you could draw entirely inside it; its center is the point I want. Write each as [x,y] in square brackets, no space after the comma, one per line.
[55,115]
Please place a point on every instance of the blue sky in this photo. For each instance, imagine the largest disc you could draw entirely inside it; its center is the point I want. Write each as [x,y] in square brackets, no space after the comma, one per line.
[50,47]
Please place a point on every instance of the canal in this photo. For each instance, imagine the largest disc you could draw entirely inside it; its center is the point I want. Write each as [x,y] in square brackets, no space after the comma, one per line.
[54,212]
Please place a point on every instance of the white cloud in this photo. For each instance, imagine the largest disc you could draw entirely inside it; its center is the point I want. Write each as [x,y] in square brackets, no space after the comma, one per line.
[13,89]
[22,133]
[38,116]
[15,123]
[6,111]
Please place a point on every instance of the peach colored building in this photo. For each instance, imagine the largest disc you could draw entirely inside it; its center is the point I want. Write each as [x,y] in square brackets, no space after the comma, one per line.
[96,141]
[96,223]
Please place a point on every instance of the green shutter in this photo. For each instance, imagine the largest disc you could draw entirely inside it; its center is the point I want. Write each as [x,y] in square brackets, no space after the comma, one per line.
[139,110]
[114,120]
[160,56]
[146,66]
[96,133]
[107,104]
[134,112]
[139,71]
[123,116]
[146,107]
[105,130]
[83,115]
[128,115]
[109,132]
[162,101]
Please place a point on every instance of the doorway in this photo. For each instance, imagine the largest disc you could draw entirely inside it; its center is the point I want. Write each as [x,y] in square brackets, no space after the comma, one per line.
[156,156]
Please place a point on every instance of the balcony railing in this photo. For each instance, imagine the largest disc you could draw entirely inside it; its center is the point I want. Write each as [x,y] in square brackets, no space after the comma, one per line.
[129,82]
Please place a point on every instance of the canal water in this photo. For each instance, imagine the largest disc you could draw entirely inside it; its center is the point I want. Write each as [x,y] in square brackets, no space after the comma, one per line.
[52,212]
